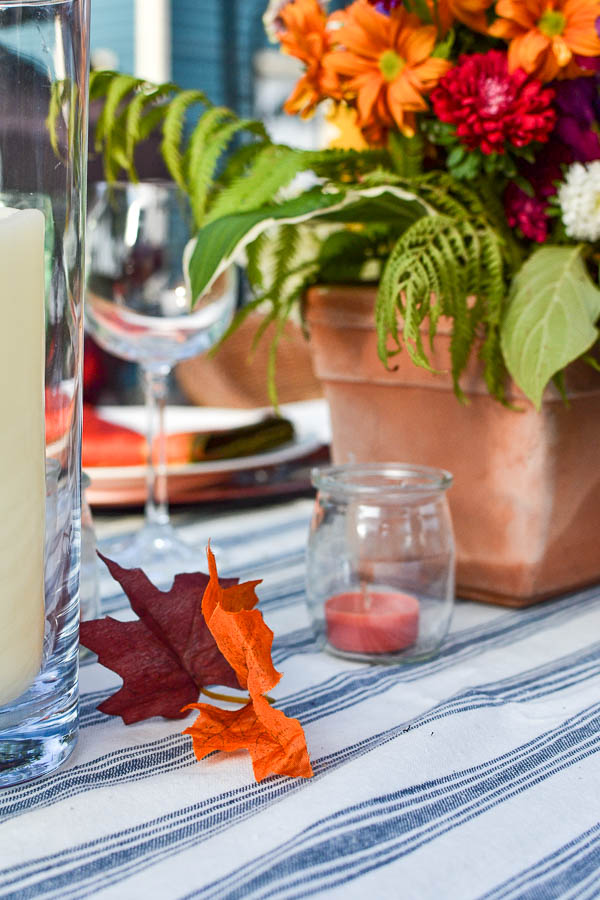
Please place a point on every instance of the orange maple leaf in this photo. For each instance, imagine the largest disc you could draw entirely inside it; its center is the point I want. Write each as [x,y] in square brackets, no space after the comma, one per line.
[275,742]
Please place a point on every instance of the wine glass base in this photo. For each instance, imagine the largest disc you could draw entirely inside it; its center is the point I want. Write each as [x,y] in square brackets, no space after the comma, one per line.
[159,551]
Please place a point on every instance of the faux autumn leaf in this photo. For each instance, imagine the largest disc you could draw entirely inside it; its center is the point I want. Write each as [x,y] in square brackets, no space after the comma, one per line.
[164,658]
[276,744]
[240,631]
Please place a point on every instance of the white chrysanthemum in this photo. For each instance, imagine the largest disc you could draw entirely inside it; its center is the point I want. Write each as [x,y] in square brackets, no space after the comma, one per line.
[272,20]
[579,198]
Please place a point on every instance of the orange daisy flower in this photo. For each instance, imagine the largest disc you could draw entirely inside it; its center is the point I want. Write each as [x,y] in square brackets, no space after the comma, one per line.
[304,35]
[545,35]
[385,66]
[469,12]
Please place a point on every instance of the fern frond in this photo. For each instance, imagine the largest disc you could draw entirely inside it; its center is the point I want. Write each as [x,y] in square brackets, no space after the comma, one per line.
[407,154]
[283,315]
[344,166]
[173,132]
[239,161]
[496,216]
[254,254]
[116,90]
[494,367]
[211,137]
[110,136]
[100,80]
[288,239]
[59,96]
[273,169]
[140,118]
[459,264]
[195,135]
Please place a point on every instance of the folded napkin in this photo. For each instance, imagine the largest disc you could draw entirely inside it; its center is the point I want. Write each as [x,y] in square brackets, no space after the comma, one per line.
[107,444]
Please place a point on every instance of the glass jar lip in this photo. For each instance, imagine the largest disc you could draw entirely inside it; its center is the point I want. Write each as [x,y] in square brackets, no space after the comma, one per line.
[32,2]
[388,479]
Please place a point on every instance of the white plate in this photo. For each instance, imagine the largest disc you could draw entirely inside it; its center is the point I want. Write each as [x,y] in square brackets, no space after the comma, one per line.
[125,485]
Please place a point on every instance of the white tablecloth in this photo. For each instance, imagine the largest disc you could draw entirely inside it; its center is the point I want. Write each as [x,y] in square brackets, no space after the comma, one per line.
[476,774]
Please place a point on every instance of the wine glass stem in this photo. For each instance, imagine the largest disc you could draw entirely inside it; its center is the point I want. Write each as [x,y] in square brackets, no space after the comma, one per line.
[157,505]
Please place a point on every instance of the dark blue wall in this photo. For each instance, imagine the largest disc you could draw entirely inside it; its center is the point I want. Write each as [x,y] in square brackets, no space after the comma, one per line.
[213,45]
[214,42]
[112,26]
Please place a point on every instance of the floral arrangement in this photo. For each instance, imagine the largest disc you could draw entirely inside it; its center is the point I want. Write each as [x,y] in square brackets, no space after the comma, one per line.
[469,185]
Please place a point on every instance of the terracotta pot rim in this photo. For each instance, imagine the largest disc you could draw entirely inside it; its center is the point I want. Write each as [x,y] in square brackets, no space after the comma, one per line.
[348,309]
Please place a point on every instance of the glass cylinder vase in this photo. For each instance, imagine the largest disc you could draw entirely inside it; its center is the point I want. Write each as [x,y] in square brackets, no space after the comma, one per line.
[43,156]
[380,565]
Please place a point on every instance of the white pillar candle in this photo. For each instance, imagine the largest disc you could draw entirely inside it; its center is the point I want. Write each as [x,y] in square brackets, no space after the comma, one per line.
[153,39]
[22,451]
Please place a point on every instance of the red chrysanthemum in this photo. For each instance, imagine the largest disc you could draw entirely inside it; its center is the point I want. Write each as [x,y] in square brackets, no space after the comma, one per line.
[492,108]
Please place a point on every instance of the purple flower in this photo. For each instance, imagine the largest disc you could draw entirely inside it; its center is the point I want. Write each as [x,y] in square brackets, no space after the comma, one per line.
[528,210]
[526,213]
[578,105]
[591,63]
[385,6]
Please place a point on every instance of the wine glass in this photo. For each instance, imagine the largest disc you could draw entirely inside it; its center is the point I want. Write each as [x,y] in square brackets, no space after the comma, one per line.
[138,307]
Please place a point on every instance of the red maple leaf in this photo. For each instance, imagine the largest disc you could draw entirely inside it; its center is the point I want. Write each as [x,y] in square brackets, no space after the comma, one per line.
[164,658]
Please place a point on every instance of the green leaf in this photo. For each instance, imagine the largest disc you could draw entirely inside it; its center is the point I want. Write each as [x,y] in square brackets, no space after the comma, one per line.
[423,11]
[221,241]
[468,168]
[443,50]
[456,155]
[406,153]
[591,361]
[552,309]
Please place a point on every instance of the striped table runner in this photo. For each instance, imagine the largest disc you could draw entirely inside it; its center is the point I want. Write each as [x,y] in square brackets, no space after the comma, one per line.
[474,775]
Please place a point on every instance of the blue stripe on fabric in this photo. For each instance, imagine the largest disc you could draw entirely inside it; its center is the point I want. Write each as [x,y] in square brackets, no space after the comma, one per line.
[569,868]
[261,561]
[549,613]
[348,688]
[286,593]
[541,681]
[346,845]
[277,525]
[251,800]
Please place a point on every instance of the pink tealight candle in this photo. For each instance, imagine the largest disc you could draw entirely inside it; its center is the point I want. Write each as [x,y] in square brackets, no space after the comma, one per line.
[372,622]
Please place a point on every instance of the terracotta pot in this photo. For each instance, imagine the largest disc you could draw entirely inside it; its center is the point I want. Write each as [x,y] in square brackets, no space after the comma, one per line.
[237,374]
[526,495]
